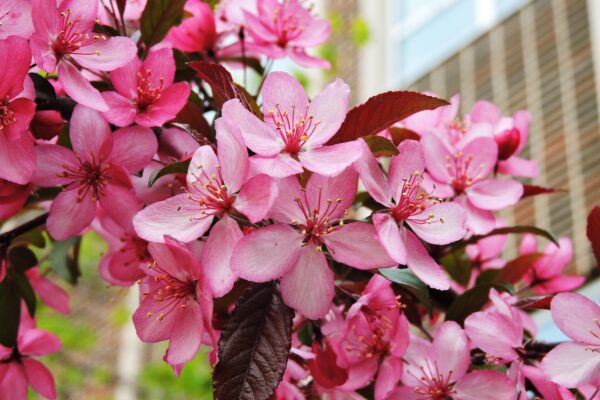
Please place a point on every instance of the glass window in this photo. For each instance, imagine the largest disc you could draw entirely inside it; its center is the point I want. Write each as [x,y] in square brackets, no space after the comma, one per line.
[505,7]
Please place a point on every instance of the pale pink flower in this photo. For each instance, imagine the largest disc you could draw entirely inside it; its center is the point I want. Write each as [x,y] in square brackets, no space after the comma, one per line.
[197,33]
[548,389]
[406,201]
[17,157]
[546,274]
[176,304]
[309,220]
[12,198]
[18,366]
[15,18]
[438,370]
[95,171]
[295,130]
[575,363]
[487,251]
[64,39]
[287,28]
[145,92]
[230,14]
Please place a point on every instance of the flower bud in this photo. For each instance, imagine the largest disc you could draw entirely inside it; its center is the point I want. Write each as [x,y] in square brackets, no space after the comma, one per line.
[46,124]
[12,197]
[508,141]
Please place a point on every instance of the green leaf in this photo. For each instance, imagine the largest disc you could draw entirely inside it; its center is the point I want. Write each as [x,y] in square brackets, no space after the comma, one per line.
[179,167]
[64,259]
[158,17]
[409,281]
[380,146]
[458,266]
[514,229]
[21,258]
[470,301]
[10,313]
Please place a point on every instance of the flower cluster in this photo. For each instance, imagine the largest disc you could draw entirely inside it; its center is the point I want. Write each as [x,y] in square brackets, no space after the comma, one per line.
[385,247]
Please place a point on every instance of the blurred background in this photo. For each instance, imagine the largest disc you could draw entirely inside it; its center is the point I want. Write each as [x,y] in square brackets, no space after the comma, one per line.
[540,55]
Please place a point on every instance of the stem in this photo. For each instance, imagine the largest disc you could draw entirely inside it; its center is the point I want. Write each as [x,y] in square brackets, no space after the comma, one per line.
[242,36]
[7,237]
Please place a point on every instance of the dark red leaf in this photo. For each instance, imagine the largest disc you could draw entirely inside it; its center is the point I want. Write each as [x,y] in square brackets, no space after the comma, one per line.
[533,190]
[380,146]
[535,303]
[401,134]
[515,269]
[593,231]
[221,83]
[381,112]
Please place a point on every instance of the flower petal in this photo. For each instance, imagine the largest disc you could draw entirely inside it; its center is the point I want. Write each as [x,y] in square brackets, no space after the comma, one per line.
[372,176]
[170,102]
[485,385]
[282,90]
[40,378]
[447,224]
[121,110]
[579,325]
[133,148]
[256,197]
[328,108]
[232,153]
[17,159]
[435,153]
[79,88]
[186,337]
[331,160]
[495,194]
[572,364]
[277,166]
[421,263]
[389,236]
[107,55]
[70,215]
[407,162]
[90,134]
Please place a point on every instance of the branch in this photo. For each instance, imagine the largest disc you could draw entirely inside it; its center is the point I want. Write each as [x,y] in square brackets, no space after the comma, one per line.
[7,237]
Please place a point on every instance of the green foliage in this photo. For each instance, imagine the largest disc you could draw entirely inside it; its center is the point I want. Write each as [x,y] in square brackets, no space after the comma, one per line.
[360,32]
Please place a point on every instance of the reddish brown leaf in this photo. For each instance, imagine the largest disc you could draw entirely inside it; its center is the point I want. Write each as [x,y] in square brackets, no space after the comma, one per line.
[593,231]
[381,112]
[533,190]
[515,269]
[535,303]
[380,146]
[401,134]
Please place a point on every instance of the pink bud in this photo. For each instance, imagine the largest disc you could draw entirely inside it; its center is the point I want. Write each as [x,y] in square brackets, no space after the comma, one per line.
[46,124]
[508,141]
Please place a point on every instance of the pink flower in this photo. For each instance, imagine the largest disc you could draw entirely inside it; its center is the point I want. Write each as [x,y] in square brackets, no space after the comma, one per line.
[18,367]
[287,28]
[15,19]
[407,202]
[145,92]
[95,171]
[295,130]
[12,198]
[546,274]
[230,14]
[49,292]
[64,38]
[309,220]
[438,370]
[487,251]
[17,157]
[464,172]
[176,304]
[197,33]
[576,363]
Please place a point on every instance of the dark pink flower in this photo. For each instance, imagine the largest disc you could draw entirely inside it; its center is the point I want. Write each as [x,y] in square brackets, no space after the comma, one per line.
[309,220]
[17,157]
[64,38]
[406,201]
[198,33]
[287,28]
[15,18]
[145,92]
[295,130]
[95,171]
[46,124]
[175,305]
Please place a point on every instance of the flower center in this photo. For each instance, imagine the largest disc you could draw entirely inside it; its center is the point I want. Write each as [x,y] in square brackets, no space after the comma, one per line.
[88,176]
[210,192]
[135,246]
[461,172]
[146,93]
[293,129]
[318,222]
[434,385]
[172,291]
[7,116]
[286,25]
[70,39]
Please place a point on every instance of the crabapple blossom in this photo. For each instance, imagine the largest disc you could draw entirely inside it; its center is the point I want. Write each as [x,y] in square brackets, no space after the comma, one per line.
[15,18]
[197,33]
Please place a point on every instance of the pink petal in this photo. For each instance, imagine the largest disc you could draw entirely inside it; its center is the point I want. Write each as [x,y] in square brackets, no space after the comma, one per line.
[18,21]
[148,326]
[479,221]
[435,153]
[389,236]
[451,350]
[277,166]
[331,160]
[162,66]
[79,88]
[50,159]
[204,161]
[125,79]
[256,197]
[123,267]
[258,136]
[40,378]
[285,209]
[107,55]
[517,166]
[300,57]
[175,259]
[356,245]
[340,189]
[133,148]
[266,253]
[372,177]
[120,204]
[576,325]
[548,389]
[572,364]
[283,90]
[484,154]
[421,263]
[483,327]
[495,194]
[555,259]
[23,110]
[41,49]
[17,159]
[170,102]
[85,11]
[559,284]
[121,110]
[177,216]
[50,293]
[14,384]
[70,215]
[317,31]
[528,244]
[329,108]
[90,134]
[216,256]
[447,225]
[15,57]
[233,155]
[309,287]
[186,336]
[485,385]
[390,372]
[408,161]
[46,20]
[485,111]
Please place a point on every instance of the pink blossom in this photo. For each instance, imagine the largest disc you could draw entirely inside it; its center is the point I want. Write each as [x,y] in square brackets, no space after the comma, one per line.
[145,92]
[295,130]
[49,292]
[287,28]
[95,171]
[176,304]
[17,157]
[438,370]
[133,11]
[546,274]
[12,198]
[287,389]
[576,363]
[487,251]
[198,33]
[308,221]
[18,366]
[15,18]
[407,202]
[64,39]
[230,14]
